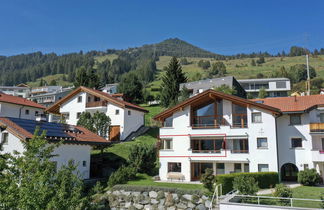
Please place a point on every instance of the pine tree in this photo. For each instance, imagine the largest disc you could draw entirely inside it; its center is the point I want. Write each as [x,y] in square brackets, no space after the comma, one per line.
[171,82]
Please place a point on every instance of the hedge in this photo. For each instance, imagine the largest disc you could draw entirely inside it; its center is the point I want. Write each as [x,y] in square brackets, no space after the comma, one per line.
[138,188]
[264,179]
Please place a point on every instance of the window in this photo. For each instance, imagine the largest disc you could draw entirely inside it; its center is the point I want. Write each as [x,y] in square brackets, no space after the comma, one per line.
[27,112]
[174,167]
[4,138]
[78,115]
[295,119]
[117,112]
[66,116]
[220,168]
[322,117]
[84,163]
[167,144]
[36,113]
[246,167]
[168,122]
[207,145]
[306,166]
[89,99]
[79,99]
[296,142]
[240,146]
[256,117]
[263,167]
[262,143]
[281,84]
[129,112]
[237,167]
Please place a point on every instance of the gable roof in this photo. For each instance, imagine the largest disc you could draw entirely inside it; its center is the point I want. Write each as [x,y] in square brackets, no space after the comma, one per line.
[214,94]
[24,129]
[18,100]
[55,108]
[293,103]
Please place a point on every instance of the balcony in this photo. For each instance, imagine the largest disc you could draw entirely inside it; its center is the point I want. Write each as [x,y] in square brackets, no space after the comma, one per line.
[208,121]
[240,121]
[316,127]
[96,104]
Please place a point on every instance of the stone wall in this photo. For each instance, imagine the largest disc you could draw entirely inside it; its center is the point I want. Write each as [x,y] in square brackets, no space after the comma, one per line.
[161,200]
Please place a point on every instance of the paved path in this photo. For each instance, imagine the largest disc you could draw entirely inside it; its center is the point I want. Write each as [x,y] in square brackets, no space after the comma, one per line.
[270,191]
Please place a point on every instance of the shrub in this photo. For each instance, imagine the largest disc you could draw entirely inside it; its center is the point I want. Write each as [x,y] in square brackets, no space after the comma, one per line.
[309,177]
[143,158]
[208,179]
[245,184]
[122,175]
[264,179]
[282,191]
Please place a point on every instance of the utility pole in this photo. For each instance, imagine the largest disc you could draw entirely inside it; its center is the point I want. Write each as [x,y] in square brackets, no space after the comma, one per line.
[308,76]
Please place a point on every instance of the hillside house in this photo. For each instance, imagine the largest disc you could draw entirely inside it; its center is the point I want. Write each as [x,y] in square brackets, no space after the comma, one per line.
[126,118]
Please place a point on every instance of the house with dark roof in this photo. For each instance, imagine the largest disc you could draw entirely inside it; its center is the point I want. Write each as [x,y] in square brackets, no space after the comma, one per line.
[77,141]
[202,85]
[126,118]
[14,106]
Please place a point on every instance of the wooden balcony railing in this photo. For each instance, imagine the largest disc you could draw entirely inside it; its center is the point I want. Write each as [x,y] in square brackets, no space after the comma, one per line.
[208,121]
[316,127]
[96,104]
[206,151]
[239,121]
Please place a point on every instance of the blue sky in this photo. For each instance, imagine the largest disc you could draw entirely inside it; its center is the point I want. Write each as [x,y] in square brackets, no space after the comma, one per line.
[225,27]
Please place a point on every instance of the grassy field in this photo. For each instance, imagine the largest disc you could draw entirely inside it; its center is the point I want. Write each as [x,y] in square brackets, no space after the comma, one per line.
[57,77]
[242,68]
[146,180]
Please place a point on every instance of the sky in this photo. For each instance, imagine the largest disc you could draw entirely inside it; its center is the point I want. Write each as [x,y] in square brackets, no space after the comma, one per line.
[224,27]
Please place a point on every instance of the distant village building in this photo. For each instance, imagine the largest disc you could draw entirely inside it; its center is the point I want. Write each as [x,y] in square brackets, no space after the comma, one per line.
[14,106]
[110,88]
[21,90]
[275,87]
[126,118]
[47,96]
[202,85]
[77,141]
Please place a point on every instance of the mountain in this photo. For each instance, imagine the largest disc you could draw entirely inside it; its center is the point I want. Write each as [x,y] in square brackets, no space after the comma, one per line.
[179,48]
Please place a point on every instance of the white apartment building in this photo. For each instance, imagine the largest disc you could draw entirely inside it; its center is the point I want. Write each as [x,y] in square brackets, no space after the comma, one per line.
[300,133]
[77,141]
[126,118]
[219,131]
[14,106]
[20,90]
[275,87]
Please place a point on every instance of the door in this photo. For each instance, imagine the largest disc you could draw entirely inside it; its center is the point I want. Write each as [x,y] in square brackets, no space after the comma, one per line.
[114,133]
[197,169]
[289,172]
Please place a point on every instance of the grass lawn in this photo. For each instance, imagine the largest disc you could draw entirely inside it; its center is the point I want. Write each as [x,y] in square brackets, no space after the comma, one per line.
[153,110]
[146,180]
[57,77]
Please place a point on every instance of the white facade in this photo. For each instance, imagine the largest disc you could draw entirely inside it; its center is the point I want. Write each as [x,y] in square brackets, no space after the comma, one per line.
[129,120]
[23,92]
[252,159]
[19,111]
[80,154]
[275,87]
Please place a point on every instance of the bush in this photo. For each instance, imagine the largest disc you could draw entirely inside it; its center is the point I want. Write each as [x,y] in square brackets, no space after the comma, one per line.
[282,191]
[143,158]
[264,179]
[309,177]
[245,184]
[208,179]
[122,175]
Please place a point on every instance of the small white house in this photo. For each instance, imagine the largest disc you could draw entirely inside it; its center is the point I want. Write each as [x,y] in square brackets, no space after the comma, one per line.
[77,141]
[14,106]
[219,131]
[126,118]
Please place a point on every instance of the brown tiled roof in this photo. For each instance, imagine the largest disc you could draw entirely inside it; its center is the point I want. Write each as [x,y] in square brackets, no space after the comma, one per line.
[18,100]
[293,103]
[55,108]
[214,94]
[24,129]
